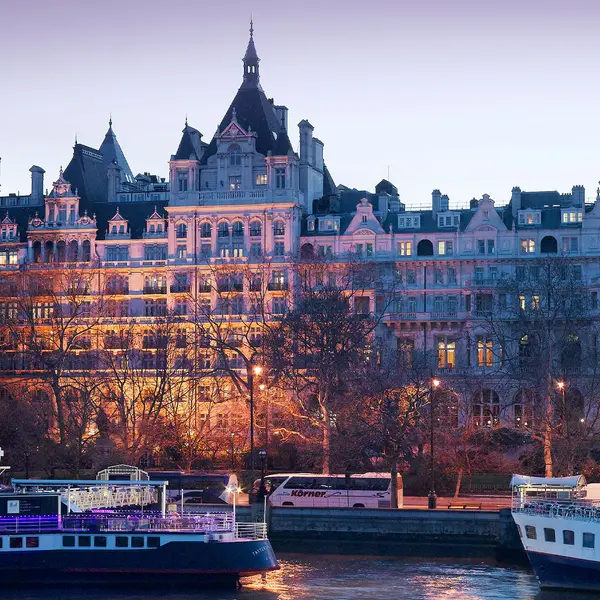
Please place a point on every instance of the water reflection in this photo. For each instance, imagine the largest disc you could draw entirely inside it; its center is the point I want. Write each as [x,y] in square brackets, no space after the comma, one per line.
[304,577]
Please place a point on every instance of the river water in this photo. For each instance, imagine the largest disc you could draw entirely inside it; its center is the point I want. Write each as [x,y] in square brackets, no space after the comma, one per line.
[312,577]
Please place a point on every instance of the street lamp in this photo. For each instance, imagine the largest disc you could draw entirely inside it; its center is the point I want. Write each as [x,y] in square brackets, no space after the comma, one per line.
[232,452]
[561,386]
[255,370]
[262,491]
[432,497]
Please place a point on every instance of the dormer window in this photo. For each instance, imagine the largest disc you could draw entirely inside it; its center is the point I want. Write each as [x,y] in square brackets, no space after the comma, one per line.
[529,217]
[448,220]
[409,222]
[310,225]
[114,229]
[570,216]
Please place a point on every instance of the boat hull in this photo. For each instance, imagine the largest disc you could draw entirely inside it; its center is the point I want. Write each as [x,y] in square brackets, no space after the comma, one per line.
[175,564]
[562,572]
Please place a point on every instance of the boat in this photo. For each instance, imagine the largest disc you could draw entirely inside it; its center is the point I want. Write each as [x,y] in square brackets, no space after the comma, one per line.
[558,521]
[45,538]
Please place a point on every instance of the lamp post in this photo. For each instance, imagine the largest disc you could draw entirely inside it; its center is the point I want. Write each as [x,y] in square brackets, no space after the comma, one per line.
[262,387]
[262,491]
[232,452]
[561,386]
[255,370]
[432,497]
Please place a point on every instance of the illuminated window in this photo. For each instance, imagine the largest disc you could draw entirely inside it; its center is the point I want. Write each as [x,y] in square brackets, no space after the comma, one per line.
[261,179]
[527,246]
[485,352]
[522,303]
[405,248]
[235,182]
[446,353]
[445,248]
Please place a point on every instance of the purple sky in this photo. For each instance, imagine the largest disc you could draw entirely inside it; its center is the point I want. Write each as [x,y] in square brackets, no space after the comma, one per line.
[470,97]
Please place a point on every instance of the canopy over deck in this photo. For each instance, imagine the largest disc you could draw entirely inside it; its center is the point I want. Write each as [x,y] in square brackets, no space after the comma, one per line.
[546,482]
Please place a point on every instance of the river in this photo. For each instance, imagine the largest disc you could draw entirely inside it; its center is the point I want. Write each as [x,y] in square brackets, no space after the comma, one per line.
[312,577]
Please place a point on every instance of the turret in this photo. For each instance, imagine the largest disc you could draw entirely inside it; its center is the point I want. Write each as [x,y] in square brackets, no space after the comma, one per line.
[251,60]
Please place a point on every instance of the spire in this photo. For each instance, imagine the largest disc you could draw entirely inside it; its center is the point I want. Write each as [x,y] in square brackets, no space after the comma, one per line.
[110,121]
[251,60]
[111,151]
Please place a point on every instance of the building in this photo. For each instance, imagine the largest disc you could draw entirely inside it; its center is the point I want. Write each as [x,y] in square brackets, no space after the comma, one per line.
[247,199]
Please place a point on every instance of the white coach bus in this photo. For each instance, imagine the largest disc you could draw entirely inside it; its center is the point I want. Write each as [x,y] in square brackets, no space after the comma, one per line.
[366,490]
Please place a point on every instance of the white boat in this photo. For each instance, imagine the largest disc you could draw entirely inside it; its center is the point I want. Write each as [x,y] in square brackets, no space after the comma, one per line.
[558,520]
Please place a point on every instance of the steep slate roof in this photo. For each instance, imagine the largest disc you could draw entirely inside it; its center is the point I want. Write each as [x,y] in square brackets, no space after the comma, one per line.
[254,112]
[135,213]
[111,150]
[87,174]
[191,144]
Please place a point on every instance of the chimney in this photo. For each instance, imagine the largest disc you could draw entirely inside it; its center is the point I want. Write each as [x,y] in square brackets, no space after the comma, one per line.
[306,141]
[444,202]
[37,183]
[436,202]
[281,112]
[578,196]
[515,201]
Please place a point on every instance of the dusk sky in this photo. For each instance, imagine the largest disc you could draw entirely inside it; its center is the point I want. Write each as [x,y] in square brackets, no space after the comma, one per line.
[470,97]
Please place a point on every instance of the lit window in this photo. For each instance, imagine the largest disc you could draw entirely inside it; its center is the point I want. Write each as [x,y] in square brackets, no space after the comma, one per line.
[445,248]
[235,182]
[485,352]
[446,354]
[311,225]
[527,246]
[261,179]
[522,303]
[405,248]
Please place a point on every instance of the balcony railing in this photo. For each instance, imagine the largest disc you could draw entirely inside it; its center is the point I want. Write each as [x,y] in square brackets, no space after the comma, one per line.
[277,286]
[155,289]
[482,282]
[180,288]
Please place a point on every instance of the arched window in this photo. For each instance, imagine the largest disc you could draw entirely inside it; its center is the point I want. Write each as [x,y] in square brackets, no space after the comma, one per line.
[549,245]
[37,252]
[223,229]
[181,232]
[86,251]
[278,227]
[205,230]
[425,248]
[485,408]
[238,229]
[235,156]
[73,251]
[446,405]
[524,409]
[61,251]
[255,229]
[307,251]
[49,252]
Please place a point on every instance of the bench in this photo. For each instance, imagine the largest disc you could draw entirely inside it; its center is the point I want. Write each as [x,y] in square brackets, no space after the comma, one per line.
[464,506]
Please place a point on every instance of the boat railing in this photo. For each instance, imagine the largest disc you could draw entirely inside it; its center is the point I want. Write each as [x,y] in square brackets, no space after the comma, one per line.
[253,531]
[577,509]
[212,522]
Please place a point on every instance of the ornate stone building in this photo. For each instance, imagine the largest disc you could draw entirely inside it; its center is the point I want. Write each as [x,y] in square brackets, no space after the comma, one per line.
[247,199]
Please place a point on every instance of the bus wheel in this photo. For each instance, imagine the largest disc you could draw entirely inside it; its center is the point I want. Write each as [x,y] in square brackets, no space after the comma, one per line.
[287,504]
[358,506]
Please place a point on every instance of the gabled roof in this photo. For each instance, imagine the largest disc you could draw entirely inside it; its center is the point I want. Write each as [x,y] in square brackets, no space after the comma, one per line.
[111,151]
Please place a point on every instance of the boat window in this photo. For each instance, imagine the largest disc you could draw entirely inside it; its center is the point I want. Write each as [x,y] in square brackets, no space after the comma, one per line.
[153,542]
[16,542]
[85,541]
[0,542]
[530,532]
[69,541]
[588,540]
[137,541]
[34,542]
[568,537]
[549,534]
[100,541]
[121,541]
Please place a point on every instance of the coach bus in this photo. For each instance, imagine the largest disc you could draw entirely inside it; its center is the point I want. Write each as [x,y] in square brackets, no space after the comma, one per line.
[366,490]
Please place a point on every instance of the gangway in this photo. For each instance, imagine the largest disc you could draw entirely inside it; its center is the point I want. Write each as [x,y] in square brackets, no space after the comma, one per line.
[91,494]
[122,472]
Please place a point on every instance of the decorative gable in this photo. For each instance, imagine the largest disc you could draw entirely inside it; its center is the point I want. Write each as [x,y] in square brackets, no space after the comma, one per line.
[156,225]
[364,219]
[486,217]
[8,230]
[117,226]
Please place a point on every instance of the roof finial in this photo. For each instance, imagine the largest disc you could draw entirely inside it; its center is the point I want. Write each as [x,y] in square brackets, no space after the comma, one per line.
[110,120]
[76,139]
[251,27]
[234,114]
[186,120]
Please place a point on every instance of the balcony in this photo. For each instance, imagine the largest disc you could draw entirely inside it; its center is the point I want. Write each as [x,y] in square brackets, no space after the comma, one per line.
[155,289]
[180,288]
[481,282]
[277,286]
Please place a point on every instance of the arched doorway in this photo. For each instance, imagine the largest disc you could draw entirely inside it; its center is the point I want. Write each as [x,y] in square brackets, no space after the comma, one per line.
[425,248]
[549,245]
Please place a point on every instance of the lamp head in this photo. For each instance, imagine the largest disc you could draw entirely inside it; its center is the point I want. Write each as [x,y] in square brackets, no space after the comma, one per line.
[435,383]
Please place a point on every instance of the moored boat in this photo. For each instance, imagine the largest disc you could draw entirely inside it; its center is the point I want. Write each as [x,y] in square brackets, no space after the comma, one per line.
[44,541]
[558,520]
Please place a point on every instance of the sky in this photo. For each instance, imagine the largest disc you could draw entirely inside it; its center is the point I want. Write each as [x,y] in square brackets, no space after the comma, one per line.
[466,96]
